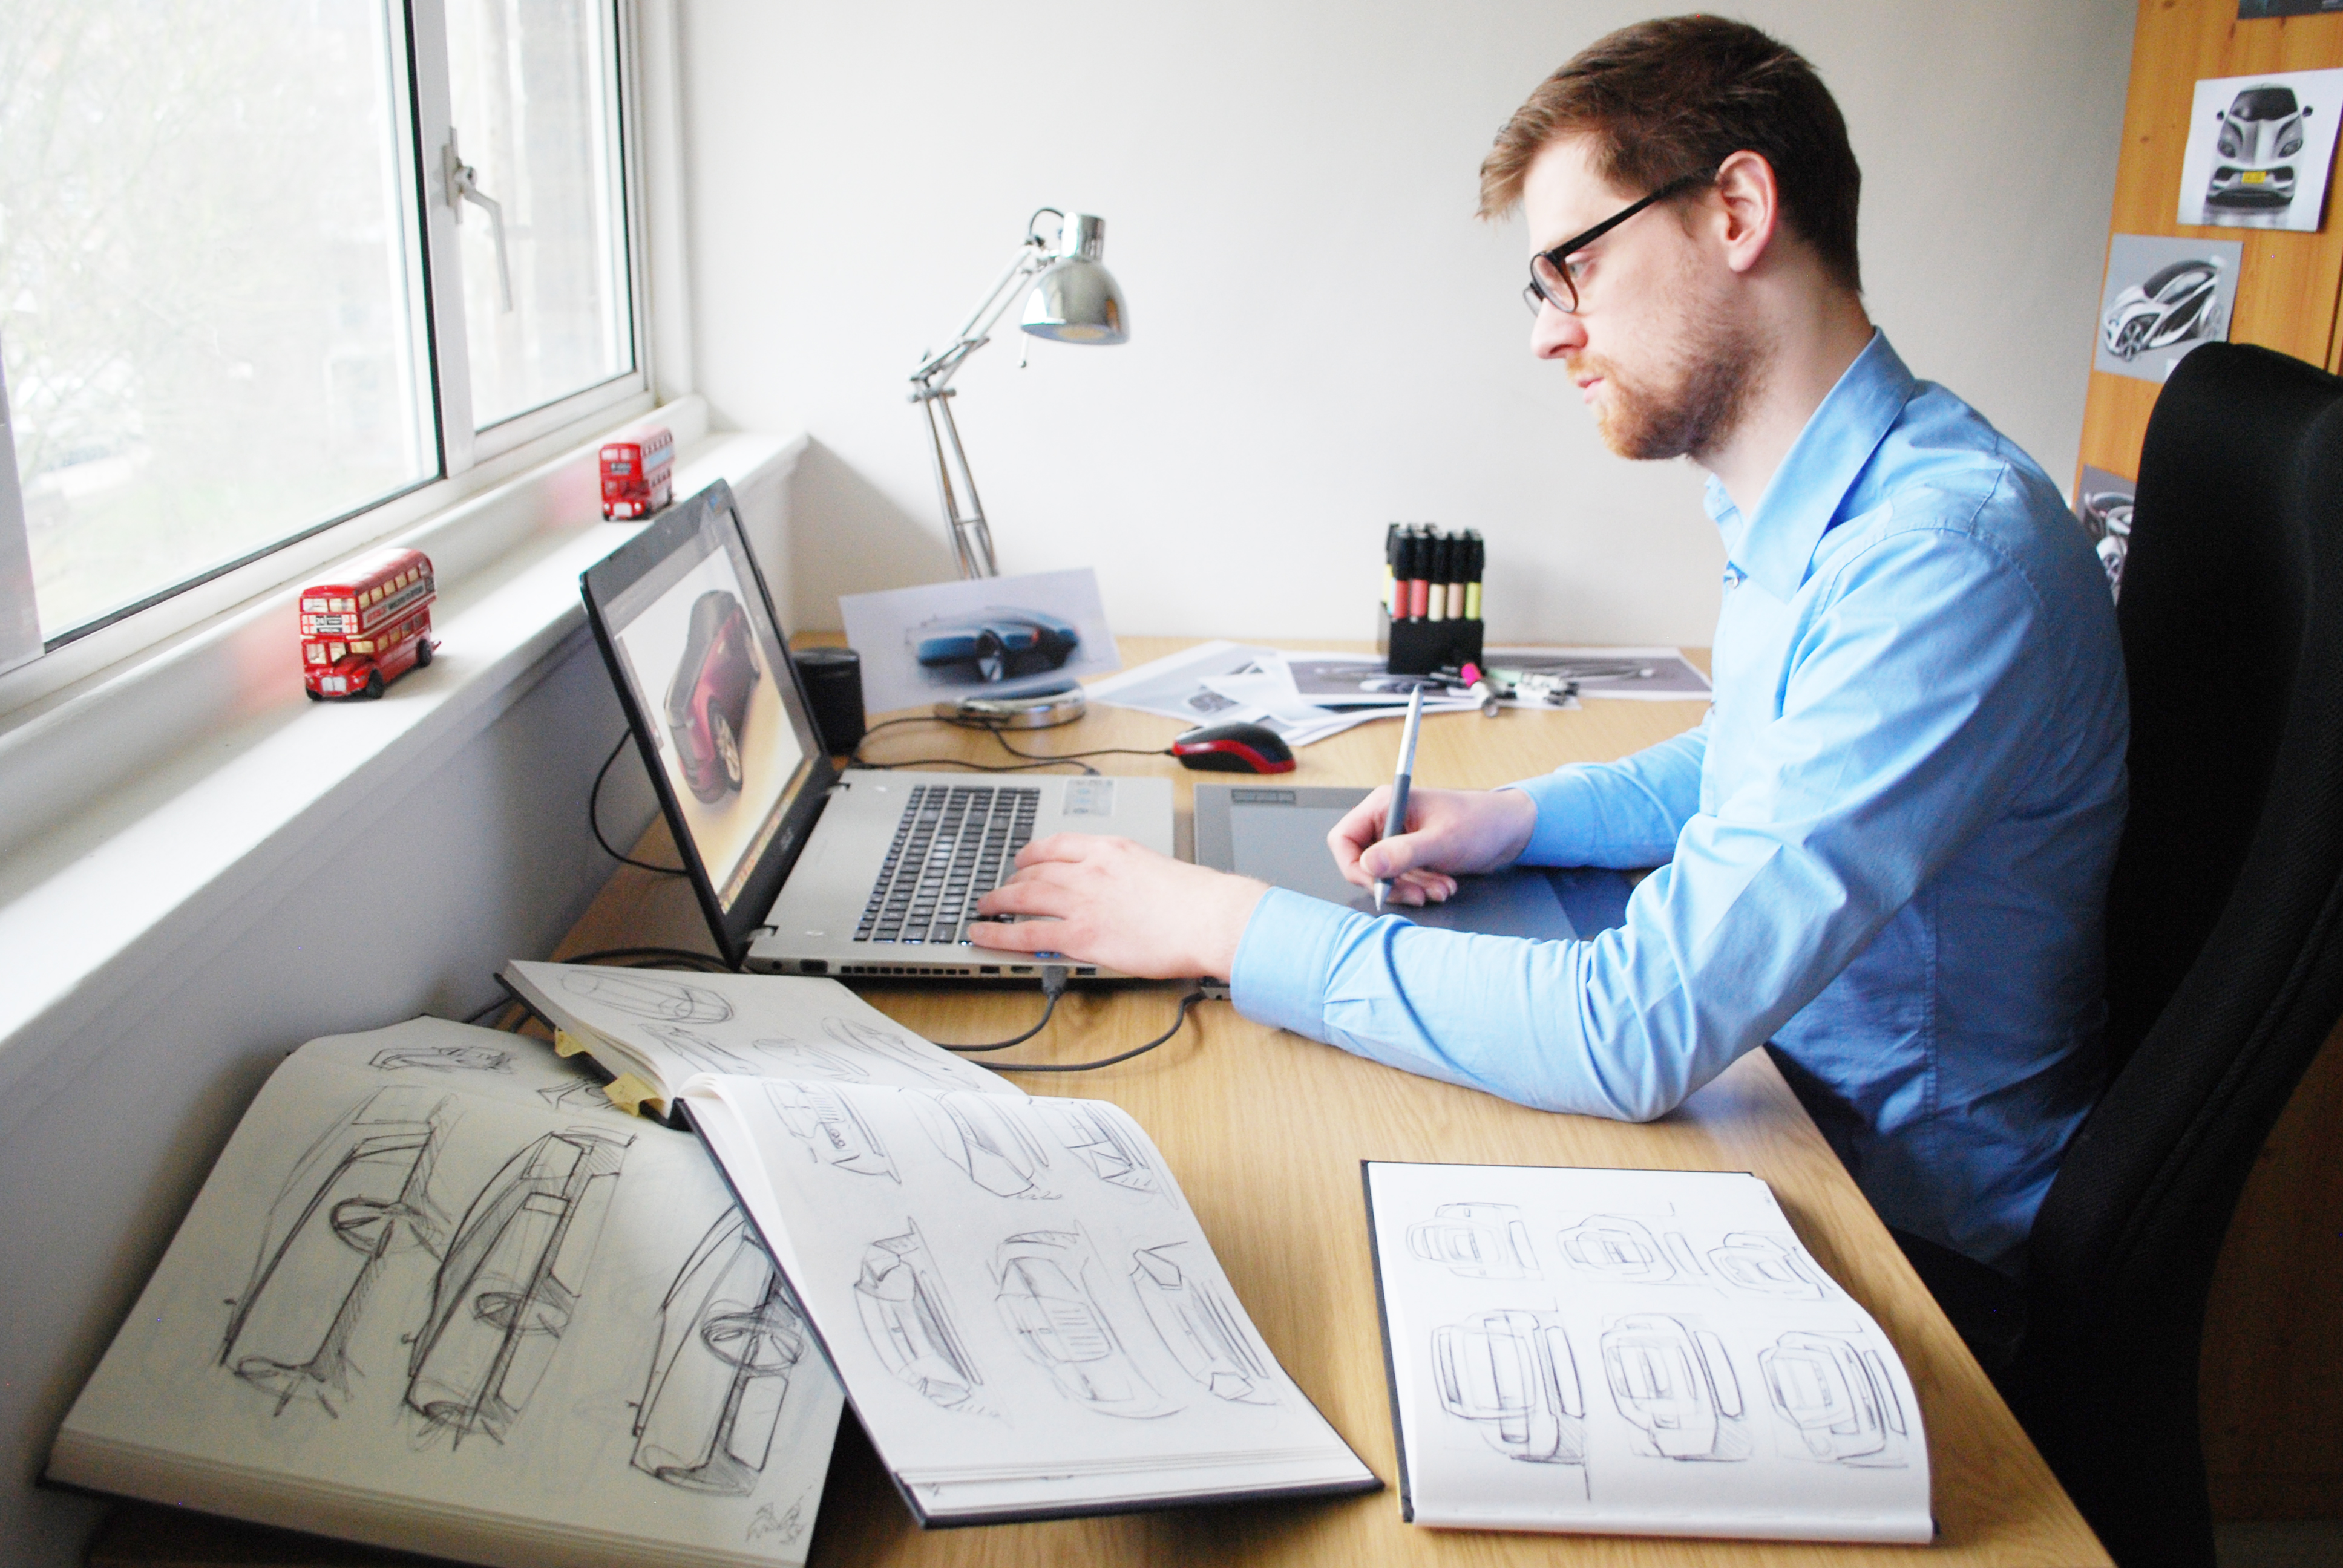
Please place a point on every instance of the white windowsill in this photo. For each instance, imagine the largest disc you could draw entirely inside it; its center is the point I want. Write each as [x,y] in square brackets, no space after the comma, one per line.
[191,779]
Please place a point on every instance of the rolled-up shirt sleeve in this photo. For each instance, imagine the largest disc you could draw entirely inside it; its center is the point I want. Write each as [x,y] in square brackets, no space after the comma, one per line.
[1915,693]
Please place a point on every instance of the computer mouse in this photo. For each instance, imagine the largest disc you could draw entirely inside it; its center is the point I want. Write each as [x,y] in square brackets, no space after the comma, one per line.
[1234,748]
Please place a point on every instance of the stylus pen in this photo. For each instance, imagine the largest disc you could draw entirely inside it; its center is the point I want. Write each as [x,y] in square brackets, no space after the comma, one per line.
[1396,823]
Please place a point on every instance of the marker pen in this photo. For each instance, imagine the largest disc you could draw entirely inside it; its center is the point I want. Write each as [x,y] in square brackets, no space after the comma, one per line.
[1419,574]
[1460,572]
[1473,573]
[1390,575]
[1436,597]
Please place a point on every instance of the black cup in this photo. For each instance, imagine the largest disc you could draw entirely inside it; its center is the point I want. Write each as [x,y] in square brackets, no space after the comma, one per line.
[833,683]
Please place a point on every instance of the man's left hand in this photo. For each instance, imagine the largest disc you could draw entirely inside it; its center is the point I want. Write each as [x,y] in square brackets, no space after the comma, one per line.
[1109,901]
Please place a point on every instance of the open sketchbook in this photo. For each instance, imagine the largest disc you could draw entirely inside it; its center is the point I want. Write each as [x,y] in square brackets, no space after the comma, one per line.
[1025,1314]
[439,1294]
[1645,1352]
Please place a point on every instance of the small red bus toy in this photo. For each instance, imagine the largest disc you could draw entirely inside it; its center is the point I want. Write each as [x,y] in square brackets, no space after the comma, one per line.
[637,473]
[369,627]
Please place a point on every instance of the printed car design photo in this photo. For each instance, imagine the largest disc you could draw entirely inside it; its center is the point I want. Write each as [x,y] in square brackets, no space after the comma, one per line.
[2262,126]
[708,700]
[996,643]
[2173,305]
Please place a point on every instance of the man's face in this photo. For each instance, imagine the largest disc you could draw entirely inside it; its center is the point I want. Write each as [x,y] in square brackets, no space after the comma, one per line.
[1655,347]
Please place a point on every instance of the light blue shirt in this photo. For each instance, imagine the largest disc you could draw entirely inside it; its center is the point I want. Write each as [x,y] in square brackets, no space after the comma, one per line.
[1885,850]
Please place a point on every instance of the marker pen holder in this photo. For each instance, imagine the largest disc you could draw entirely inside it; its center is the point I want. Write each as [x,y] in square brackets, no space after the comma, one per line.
[1418,647]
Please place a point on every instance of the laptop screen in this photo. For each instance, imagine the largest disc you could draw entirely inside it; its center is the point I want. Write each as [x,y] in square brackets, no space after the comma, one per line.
[686,625]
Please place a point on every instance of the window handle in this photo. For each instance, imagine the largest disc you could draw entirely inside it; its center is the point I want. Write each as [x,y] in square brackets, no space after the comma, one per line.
[463,186]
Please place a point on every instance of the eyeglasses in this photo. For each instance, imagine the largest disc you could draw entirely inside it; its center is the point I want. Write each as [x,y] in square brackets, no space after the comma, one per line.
[1553,279]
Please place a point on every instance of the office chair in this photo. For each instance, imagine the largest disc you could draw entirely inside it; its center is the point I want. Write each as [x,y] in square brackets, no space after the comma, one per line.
[2225,930]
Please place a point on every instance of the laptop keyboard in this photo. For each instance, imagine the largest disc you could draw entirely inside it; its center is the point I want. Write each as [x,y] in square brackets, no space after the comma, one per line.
[952,846]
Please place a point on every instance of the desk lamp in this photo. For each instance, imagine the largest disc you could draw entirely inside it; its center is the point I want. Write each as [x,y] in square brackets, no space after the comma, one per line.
[1073,299]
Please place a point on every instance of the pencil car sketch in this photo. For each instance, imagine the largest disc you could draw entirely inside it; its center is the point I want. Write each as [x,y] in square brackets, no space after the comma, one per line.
[1199,1327]
[1617,1248]
[1676,1387]
[1044,1298]
[355,1195]
[1476,1241]
[1093,1136]
[728,1338]
[582,1093]
[831,1131]
[1514,1375]
[859,1036]
[1763,1266]
[1837,1396]
[985,1137]
[443,1059]
[909,1322]
[661,998]
[795,1059]
[508,1287]
[707,1055]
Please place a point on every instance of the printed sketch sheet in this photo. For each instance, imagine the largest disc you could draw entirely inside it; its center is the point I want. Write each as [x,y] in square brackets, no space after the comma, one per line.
[1634,1352]
[1027,1316]
[439,1294]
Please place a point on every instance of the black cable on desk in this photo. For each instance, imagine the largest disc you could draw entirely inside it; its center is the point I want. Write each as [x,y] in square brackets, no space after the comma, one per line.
[594,817]
[1190,1000]
[1033,760]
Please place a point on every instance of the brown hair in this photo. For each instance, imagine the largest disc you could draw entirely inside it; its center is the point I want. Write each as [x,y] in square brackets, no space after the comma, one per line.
[1680,94]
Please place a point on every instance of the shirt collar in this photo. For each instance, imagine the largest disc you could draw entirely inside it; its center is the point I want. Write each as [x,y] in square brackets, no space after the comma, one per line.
[1802,500]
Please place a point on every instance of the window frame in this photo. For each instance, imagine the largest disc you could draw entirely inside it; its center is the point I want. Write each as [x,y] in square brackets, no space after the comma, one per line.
[469,461]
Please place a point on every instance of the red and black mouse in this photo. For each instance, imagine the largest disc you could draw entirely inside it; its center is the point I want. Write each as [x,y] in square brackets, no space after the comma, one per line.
[1234,748]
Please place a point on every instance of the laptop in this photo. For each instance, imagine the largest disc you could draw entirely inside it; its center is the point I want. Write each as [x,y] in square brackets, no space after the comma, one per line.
[800,868]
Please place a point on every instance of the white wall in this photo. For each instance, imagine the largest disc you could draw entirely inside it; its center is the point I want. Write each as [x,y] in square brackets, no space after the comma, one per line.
[1324,338]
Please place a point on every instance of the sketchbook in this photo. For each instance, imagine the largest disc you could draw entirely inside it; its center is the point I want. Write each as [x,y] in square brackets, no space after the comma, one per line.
[1025,1314]
[439,1295]
[1642,1352]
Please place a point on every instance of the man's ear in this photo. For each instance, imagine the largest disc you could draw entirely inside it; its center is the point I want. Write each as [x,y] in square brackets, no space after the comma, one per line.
[1750,205]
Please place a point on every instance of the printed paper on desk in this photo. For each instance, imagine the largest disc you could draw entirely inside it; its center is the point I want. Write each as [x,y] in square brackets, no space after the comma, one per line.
[992,637]
[1639,674]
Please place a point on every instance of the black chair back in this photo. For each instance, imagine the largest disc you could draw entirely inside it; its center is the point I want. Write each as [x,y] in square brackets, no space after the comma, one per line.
[2225,929]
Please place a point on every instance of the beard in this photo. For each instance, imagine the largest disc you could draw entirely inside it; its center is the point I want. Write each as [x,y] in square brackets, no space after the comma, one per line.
[1692,403]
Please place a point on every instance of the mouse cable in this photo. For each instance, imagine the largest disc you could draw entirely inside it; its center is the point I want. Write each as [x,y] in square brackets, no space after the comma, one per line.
[1033,760]
[1053,986]
[594,815]
[1190,1000]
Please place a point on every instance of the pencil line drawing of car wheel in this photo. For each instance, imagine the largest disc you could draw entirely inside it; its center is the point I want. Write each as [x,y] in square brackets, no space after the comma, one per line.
[729,1336]
[1676,1386]
[355,1196]
[1765,1266]
[1104,1147]
[1616,1248]
[1476,1241]
[909,1320]
[1837,1397]
[442,1058]
[1045,1301]
[509,1284]
[858,1036]
[982,1135]
[659,997]
[1197,1324]
[831,1130]
[1514,1375]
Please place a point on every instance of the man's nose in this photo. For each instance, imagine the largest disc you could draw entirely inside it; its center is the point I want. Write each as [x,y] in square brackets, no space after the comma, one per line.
[1555,333]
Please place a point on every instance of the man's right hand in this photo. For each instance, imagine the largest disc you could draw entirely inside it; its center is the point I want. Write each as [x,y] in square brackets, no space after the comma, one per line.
[1450,833]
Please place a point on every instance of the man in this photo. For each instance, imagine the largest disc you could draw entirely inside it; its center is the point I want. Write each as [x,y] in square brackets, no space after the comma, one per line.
[1886,849]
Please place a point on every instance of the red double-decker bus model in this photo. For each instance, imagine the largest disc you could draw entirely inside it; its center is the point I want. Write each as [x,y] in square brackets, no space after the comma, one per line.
[369,627]
[637,473]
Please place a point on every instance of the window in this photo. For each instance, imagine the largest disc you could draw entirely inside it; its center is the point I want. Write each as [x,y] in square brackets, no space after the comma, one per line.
[263,270]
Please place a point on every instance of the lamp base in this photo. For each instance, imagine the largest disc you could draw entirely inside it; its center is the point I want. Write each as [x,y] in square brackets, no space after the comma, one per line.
[1034,710]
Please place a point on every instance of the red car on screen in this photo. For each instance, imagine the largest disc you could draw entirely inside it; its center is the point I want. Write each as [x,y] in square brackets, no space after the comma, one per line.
[708,700]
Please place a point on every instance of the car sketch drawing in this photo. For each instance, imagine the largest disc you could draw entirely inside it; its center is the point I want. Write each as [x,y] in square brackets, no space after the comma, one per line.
[706,1054]
[1105,1147]
[795,1059]
[860,1036]
[1200,1327]
[1476,1241]
[1045,1300]
[2260,132]
[909,1322]
[1514,1374]
[996,643]
[830,1129]
[660,997]
[355,1195]
[1764,1266]
[2175,304]
[1837,1397]
[1675,1385]
[508,1285]
[986,1138]
[729,1336]
[1617,1248]
[443,1059]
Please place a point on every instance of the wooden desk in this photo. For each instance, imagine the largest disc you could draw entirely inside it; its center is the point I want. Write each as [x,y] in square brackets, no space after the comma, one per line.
[1266,1131]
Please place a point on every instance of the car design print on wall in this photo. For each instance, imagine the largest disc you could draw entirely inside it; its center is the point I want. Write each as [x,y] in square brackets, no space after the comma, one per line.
[996,643]
[2261,128]
[2173,305]
[708,700]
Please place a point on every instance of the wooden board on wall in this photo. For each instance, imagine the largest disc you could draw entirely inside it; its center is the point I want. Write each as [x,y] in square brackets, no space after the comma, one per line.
[2287,283]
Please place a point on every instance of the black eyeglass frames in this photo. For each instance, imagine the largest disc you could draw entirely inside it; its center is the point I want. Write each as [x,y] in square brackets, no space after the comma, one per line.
[1551,282]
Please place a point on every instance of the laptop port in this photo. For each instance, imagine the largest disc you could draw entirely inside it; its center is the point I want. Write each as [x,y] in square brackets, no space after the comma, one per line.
[989,969]
[1085,971]
[813,966]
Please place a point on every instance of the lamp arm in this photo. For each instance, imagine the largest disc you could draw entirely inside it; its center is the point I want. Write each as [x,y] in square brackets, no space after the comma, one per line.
[937,370]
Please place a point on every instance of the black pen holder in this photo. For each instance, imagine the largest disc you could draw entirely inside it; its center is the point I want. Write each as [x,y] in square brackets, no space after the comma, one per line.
[1418,647]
